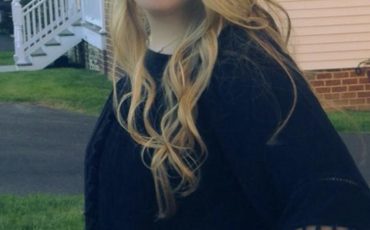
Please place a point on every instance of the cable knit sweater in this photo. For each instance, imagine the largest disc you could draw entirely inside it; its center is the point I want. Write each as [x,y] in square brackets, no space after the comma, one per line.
[306,177]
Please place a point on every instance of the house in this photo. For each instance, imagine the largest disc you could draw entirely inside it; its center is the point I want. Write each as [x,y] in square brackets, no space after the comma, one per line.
[330,41]
[44,30]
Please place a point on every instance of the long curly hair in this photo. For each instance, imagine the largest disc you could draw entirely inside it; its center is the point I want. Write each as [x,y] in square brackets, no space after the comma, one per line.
[173,147]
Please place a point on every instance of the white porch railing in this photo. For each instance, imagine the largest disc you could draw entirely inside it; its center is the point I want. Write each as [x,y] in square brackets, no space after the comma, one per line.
[39,21]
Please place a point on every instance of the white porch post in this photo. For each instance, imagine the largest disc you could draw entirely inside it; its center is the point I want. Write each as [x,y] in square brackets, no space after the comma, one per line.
[78,3]
[102,13]
[73,6]
[83,11]
[18,24]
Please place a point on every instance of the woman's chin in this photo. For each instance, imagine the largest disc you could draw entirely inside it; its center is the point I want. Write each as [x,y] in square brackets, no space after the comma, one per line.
[156,7]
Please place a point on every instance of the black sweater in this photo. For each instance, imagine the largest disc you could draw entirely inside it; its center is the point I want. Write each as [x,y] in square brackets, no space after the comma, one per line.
[306,177]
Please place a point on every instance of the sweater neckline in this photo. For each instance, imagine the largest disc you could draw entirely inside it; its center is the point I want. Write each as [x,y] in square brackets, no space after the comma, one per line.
[158,54]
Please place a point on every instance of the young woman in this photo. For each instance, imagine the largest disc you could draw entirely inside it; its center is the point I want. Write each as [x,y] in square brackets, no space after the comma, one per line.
[211,125]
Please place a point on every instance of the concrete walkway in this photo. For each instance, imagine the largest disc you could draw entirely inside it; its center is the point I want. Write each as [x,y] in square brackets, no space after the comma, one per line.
[7,68]
[42,149]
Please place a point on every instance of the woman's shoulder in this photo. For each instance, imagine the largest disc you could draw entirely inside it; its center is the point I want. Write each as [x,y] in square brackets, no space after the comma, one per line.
[238,53]
[243,64]
[246,79]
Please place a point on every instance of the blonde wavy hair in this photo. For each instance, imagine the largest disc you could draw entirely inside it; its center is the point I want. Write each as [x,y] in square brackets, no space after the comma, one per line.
[173,147]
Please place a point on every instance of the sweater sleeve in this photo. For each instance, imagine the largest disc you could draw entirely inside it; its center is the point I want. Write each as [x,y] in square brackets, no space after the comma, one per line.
[306,177]
[93,151]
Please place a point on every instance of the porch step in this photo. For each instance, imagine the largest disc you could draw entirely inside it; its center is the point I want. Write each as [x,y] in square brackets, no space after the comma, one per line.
[38,53]
[51,50]
[52,42]
[66,32]
[47,39]
[77,23]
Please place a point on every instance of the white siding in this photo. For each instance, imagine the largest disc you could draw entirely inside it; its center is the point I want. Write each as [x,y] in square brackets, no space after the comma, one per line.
[329,34]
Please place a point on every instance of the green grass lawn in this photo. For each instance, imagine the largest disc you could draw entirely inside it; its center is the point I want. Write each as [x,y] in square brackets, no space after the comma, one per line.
[72,89]
[41,212]
[358,121]
[6,58]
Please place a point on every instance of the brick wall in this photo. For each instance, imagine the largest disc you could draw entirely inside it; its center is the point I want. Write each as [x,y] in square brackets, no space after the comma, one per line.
[88,56]
[94,57]
[342,87]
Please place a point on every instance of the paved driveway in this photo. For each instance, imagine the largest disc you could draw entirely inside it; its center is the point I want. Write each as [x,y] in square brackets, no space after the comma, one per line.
[42,149]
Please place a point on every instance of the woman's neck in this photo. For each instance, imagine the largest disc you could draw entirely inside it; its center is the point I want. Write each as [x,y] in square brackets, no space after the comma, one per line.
[165,28]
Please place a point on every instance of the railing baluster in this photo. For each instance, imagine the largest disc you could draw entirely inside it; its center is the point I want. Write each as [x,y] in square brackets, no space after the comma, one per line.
[51,11]
[62,10]
[28,26]
[47,3]
[33,23]
[44,14]
[24,28]
[39,18]
[102,15]
[57,9]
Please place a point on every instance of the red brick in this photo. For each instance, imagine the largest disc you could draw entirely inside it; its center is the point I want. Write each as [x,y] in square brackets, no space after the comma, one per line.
[348,95]
[331,96]
[350,81]
[351,107]
[363,94]
[341,75]
[324,76]
[332,82]
[341,101]
[353,74]
[355,87]
[317,83]
[361,74]
[357,101]
[339,89]
[363,107]
[322,90]
[364,80]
